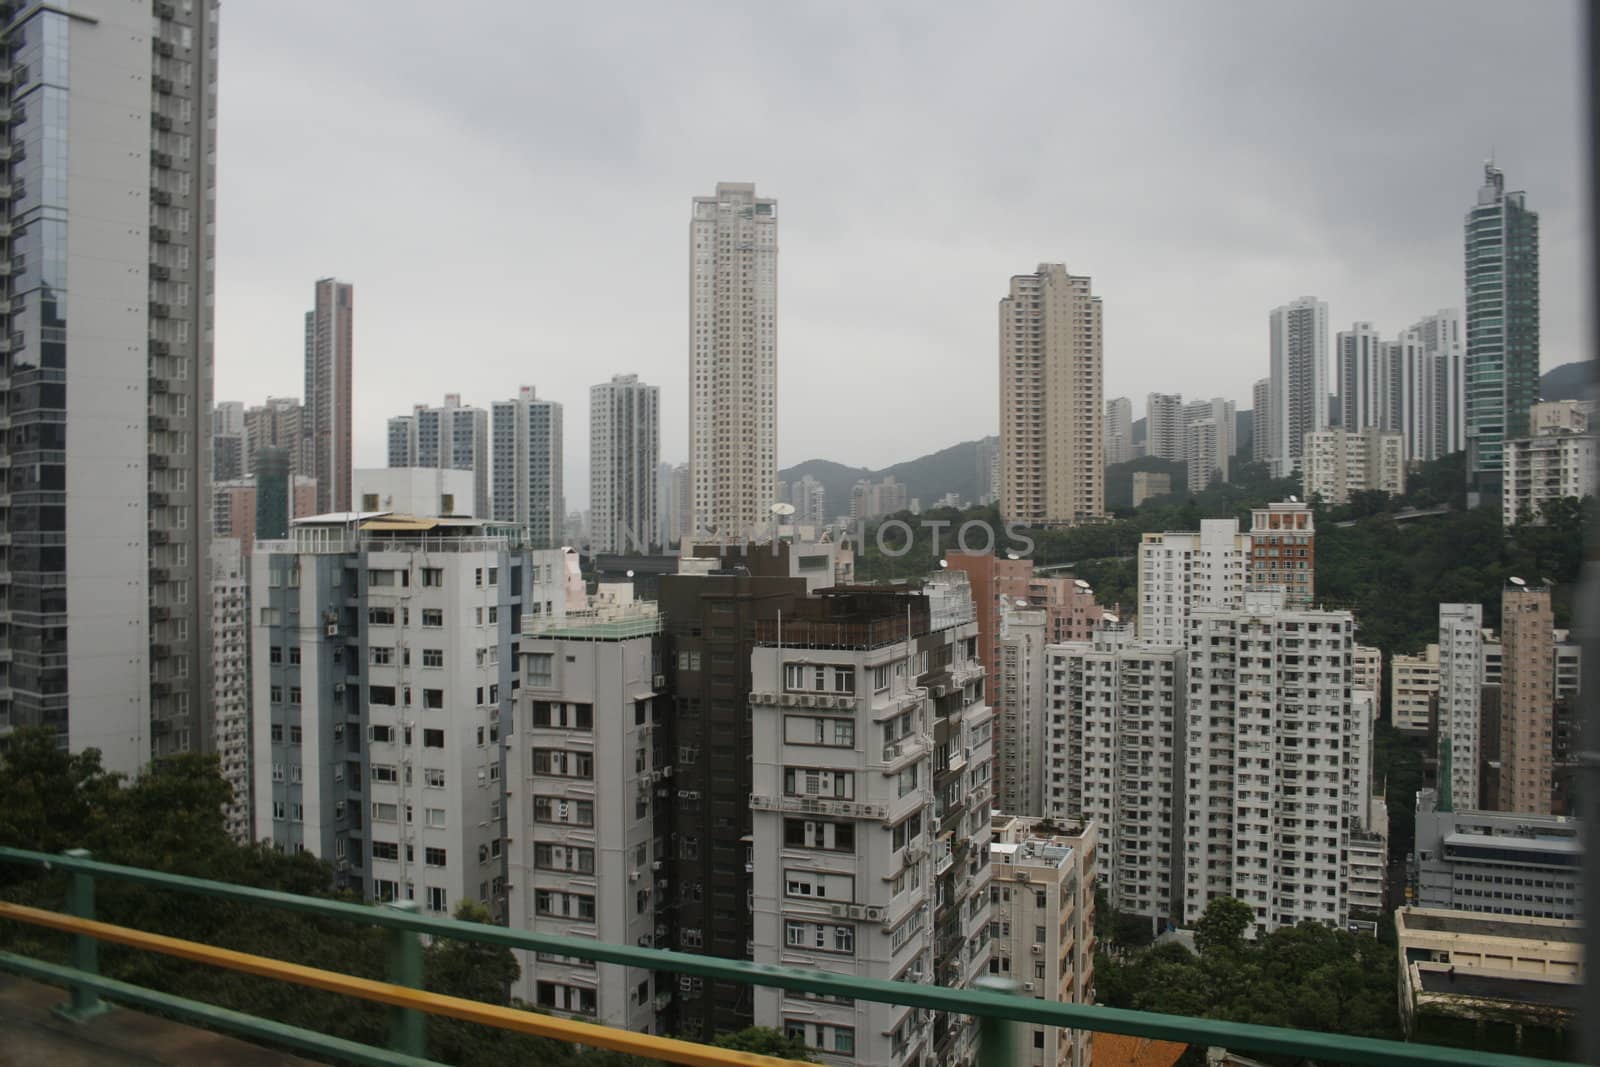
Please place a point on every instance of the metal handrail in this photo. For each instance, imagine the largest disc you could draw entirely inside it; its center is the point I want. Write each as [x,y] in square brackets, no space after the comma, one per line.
[994,1009]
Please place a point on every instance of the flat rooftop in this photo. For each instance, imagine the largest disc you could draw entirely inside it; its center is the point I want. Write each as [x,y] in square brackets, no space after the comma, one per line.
[1565,995]
[1479,924]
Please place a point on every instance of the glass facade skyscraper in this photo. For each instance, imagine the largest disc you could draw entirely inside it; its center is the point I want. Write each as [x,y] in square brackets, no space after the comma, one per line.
[1502,276]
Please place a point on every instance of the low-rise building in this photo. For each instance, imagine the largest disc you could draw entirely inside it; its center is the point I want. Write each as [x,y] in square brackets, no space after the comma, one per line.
[1414,690]
[1147,484]
[1505,863]
[1490,983]
[1041,927]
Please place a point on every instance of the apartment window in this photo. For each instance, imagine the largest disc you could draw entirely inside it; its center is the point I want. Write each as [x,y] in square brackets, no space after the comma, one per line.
[384,890]
[385,850]
[799,781]
[278,810]
[438,899]
[384,772]
[381,733]
[433,577]
[555,716]
[432,738]
[434,857]
[294,695]
[381,694]
[433,657]
[559,810]
[277,733]
[541,667]
[817,730]
[434,818]
[880,678]
[809,833]
[564,858]
[385,813]
[380,656]
[275,694]
[433,617]
[433,778]
[275,654]
[294,655]
[295,736]
[380,616]
[563,764]
[433,699]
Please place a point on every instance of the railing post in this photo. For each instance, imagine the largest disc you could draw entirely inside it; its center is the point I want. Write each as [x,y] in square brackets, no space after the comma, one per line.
[407,1026]
[85,1003]
[997,1037]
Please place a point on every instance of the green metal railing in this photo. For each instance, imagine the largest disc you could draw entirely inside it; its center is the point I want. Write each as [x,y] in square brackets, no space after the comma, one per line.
[997,1011]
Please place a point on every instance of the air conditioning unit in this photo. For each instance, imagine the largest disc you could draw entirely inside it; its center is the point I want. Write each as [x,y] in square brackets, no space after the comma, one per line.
[338,689]
[655,865]
[1028,986]
[333,629]
[645,941]
[938,690]
[788,700]
[1038,949]
[874,914]
[633,876]
[1022,876]
[857,911]
[658,682]
[840,911]
[808,701]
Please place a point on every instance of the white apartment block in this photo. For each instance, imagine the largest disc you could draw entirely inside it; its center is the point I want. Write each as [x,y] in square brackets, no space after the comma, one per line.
[1181,571]
[1052,399]
[870,855]
[1163,426]
[733,361]
[1116,722]
[1018,695]
[1433,416]
[383,651]
[1559,416]
[1270,729]
[1119,430]
[526,449]
[583,857]
[1338,462]
[1360,377]
[1261,421]
[1413,687]
[1202,454]
[1366,671]
[1462,675]
[452,437]
[1298,393]
[1542,469]
[624,451]
[230,678]
[1041,926]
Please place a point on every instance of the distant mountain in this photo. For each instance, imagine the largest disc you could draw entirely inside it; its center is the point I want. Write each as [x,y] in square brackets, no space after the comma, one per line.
[926,478]
[1570,381]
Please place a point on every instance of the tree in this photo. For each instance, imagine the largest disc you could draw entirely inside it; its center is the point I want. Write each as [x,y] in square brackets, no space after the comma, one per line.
[765,1041]
[1222,927]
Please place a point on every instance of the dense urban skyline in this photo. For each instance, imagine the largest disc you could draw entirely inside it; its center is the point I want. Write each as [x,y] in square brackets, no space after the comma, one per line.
[1284,215]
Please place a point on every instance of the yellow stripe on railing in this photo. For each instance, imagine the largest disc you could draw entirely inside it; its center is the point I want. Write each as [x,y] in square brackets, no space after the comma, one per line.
[670,1049]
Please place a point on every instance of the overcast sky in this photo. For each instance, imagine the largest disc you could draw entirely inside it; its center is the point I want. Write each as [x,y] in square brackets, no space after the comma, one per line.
[508,187]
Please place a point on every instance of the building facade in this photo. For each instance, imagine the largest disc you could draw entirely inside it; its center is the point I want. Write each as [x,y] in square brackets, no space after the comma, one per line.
[1298,393]
[526,466]
[1017,692]
[1527,698]
[325,425]
[1338,462]
[277,424]
[1181,571]
[230,446]
[1539,470]
[1462,676]
[1119,430]
[1042,925]
[110,200]
[1052,464]
[451,437]
[230,680]
[1283,550]
[1163,426]
[733,360]
[1261,421]
[1360,376]
[1414,690]
[624,451]
[1148,484]
[1506,863]
[1502,350]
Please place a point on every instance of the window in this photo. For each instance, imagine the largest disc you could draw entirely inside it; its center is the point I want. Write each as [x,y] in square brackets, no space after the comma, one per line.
[433,857]
[275,694]
[433,617]
[380,616]
[817,730]
[564,858]
[808,833]
[384,813]
[295,736]
[438,900]
[381,733]
[385,850]
[433,699]
[294,655]
[380,656]
[799,781]
[563,764]
[560,810]
[382,695]
[384,772]
[435,817]
[433,577]
[432,738]
[294,695]
[548,715]
[433,778]
[494,575]
[275,654]
[433,657]
[277,733]
[379,579]
[541,667]
[880,678]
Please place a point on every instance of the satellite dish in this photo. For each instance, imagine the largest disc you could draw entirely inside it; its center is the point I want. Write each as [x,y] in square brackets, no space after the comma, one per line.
[1518,582]
[1081,584]
[944,563]
[630,573]
[1022,602]
[1293,499]
[781,508]
[1012,555]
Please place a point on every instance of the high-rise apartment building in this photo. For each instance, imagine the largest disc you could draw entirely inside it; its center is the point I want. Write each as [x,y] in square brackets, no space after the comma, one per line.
[1413,690]
[810,500]
[868,500]
[733,361]
[1181,571]
[1283,540]
[1269,707]
[1017,693]
[1119,430]
[588,781]
[870,836]
[526,466]
[1359,377]
[1550,467]
[1052,467]
[1116,711]
[1527,690]
[1462,675]
[277,424]
[673,494]
[1218,442]
[624,449]
[1261,421]
[1339,462]
[236,506]
[382,683]
[1042,925]
[1431,399]
[325,425]
[230,680]
[1163,426]
[114,207]
[1502,277]
[452,437]
[229,444]
[1298,399]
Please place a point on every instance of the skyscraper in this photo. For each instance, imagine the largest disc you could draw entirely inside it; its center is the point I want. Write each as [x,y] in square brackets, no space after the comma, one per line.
[277,424]
[1360,376]
[1440,421]
[1119,430]
[1261,421]
[127,228]
[1502,276]
[1051,399]
[733,361]
[1299,377]
[1163,426]
[229,446]
[526,455]
[1208,451]
[1461,679]
[325,426]
[1283,552]
[1527,698]
[624,447]
[451,437]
